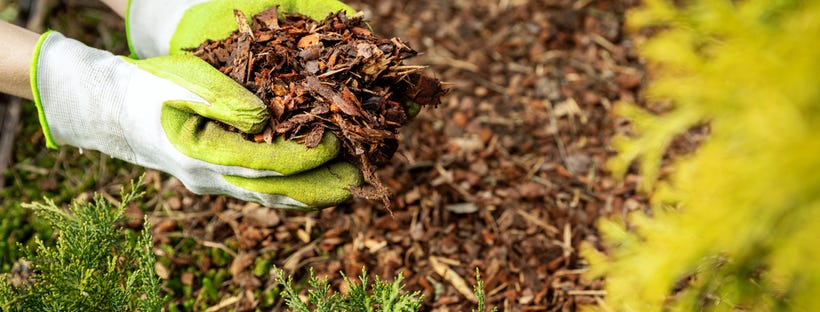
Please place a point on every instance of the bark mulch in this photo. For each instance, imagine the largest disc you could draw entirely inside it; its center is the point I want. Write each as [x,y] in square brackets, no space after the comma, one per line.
[332,75]
[507,175]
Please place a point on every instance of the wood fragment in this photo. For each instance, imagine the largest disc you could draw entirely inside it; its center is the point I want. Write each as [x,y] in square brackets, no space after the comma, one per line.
[452,277]
[269,18]
[314,137]
[9,119]
[241,55]
[313,84]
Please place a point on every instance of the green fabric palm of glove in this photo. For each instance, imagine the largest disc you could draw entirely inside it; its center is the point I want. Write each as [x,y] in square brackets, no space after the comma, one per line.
[304,174]
[192,31]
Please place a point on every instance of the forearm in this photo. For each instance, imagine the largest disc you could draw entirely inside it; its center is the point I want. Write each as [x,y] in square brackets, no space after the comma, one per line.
[15,61]
[119,6]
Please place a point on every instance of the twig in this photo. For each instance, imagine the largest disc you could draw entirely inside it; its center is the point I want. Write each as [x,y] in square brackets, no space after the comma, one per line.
[9,119]
[549,229]
[227,302]
[596,293]
[292,263]
[37,17]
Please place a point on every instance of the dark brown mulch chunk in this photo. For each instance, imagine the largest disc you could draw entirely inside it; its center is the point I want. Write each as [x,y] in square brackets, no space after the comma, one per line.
[331,75]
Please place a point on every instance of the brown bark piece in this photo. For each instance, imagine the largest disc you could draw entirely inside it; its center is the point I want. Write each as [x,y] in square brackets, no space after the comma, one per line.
[314,137]
[241,55]
[313,84]
[268,18]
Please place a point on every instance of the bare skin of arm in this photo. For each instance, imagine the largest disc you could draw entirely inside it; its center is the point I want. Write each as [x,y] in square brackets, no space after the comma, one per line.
[119,6]
[15,62]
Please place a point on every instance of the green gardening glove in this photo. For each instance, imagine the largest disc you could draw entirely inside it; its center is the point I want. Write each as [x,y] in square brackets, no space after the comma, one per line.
[158,27]
[152,112]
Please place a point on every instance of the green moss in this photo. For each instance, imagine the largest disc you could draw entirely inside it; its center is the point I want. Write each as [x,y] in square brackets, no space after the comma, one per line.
[220,258]
[261,267]
[209,289]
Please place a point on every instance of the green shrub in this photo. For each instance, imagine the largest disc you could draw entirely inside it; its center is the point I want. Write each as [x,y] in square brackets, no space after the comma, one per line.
[735,226]
[94,265]
[478,290]
[382,296]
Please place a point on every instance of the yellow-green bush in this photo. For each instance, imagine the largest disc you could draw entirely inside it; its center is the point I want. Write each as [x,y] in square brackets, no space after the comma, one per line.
[737,224]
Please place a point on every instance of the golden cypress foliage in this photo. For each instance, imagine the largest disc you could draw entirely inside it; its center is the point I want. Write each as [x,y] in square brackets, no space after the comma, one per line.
[736,226]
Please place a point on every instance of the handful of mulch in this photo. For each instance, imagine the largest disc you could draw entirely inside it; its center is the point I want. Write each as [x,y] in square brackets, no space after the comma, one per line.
[331,75]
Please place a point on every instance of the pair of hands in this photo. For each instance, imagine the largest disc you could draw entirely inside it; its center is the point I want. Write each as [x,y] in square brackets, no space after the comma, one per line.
[154,111]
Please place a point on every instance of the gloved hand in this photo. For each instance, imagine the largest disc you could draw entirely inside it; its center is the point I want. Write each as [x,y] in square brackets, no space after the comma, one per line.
[159,27]
[150,112]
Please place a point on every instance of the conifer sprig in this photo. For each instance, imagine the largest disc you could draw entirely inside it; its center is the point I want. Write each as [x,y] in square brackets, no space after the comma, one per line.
[383,296]
[94,264]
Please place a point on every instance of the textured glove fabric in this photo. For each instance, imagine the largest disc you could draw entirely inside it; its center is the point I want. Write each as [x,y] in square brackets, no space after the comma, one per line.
[69,91]
[147,113]
[150,24]
[159,27]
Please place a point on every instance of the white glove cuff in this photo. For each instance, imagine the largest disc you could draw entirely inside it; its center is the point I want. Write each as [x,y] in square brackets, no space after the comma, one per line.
[150,25]
[68,79]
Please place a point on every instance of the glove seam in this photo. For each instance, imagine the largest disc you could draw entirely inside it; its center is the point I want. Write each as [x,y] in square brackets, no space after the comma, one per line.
[35,61]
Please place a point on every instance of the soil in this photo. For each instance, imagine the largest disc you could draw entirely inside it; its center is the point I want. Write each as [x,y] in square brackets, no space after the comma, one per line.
[507,176]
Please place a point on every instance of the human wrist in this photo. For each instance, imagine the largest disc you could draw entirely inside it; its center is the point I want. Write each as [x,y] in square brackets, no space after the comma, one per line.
[118,6]
[16,63]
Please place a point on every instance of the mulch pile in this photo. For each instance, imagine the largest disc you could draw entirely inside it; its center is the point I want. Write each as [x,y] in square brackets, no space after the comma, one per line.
[507,175]
[330,75]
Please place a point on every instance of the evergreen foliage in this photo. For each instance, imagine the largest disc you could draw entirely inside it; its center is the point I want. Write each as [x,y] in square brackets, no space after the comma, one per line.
[383,296]
[735,226]
[478,289]
[94,265]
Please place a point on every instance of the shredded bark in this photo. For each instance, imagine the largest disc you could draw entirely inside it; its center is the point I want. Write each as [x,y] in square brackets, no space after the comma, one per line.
[331,75]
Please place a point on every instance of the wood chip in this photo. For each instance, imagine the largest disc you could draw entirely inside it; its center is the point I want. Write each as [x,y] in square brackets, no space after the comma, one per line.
[453,278]
[269,18]
[462,208]
[242,261]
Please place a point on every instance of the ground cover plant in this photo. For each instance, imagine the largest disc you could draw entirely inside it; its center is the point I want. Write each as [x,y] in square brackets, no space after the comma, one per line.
[93,265]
